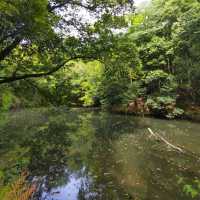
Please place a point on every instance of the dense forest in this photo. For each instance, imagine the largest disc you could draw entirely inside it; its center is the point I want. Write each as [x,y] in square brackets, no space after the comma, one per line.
[99,99]
[107,54]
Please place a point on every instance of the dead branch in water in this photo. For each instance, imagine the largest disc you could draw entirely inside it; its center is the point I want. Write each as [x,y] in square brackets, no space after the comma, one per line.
[184,151]
[165,141]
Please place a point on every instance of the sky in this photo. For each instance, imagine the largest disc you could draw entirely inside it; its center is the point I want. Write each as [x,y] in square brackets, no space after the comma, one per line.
[141,2]
[85,16]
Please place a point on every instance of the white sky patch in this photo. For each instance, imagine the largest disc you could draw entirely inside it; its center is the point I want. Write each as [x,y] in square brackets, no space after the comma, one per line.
[87,17]
[139,2]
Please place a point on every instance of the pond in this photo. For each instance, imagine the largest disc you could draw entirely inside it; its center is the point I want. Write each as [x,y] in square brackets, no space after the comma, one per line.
[83,155]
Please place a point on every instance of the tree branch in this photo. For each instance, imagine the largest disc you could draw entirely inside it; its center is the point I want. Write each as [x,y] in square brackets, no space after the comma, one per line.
[37,75]
[52,8]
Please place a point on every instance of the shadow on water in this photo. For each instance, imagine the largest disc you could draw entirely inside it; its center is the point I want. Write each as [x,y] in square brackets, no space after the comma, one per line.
[83,155]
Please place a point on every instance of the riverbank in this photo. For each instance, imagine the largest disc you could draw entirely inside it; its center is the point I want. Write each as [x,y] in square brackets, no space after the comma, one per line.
[191,114]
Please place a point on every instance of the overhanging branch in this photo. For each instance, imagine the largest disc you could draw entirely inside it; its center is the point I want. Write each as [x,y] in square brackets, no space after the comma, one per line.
[51,8]
[37,75]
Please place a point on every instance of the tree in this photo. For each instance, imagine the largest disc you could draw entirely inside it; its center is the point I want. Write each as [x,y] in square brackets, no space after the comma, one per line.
[39,36]
[167,35]
[119,64]
[186,35]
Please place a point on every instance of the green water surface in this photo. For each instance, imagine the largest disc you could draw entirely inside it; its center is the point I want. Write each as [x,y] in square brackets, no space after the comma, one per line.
[84,155]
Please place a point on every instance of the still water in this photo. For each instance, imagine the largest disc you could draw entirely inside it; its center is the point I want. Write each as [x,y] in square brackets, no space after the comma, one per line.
[92,155]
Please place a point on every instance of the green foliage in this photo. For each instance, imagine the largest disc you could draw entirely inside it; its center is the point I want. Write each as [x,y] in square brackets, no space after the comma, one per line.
[164,106]
[120,67]
[156,54]
[6,100]
[156,57]
[37,39]
[86,79]
[158,82]
[79,87]
[135,90]
[190,189]
[113,91]
[161,94]
[154,76]
[167,38]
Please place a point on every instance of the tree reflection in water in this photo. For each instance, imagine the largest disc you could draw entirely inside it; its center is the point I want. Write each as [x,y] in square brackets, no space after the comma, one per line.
[82,155]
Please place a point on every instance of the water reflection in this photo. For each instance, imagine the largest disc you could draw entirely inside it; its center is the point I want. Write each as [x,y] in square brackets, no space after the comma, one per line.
[95,155]
[48,147]
[76,187]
